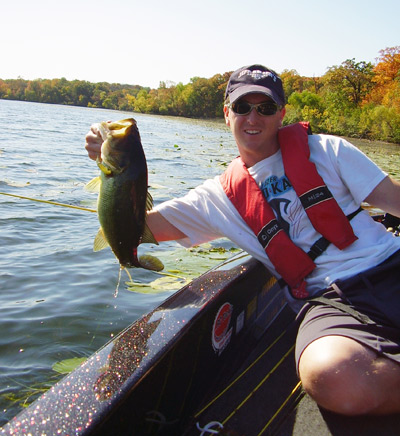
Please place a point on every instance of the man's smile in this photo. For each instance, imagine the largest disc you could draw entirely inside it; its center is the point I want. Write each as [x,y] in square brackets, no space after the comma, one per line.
[252,132]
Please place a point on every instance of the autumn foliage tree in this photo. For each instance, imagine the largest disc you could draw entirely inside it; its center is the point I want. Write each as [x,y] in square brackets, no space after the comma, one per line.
[381,107]
[352,99]
[386,80]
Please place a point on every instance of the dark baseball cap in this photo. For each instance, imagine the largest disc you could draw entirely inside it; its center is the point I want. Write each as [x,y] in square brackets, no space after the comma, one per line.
[255,79]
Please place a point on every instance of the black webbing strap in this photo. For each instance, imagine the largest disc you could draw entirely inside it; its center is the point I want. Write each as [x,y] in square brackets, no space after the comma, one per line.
[322,244]
[319,247]
[342,307]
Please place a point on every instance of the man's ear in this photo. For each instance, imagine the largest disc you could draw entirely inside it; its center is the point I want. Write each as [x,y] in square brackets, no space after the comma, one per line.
[283,112]
[226,115]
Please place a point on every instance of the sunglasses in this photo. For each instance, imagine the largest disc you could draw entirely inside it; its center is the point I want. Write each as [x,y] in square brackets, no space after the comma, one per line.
[244,108]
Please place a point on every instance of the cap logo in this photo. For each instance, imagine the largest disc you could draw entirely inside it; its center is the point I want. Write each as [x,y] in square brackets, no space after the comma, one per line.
[258,74]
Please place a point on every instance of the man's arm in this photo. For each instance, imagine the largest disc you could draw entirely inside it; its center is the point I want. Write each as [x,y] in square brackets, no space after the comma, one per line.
[161,228]
[386,196]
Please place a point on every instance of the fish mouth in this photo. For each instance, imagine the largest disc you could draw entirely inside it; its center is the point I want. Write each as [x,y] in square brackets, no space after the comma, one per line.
[117,129]
[118,137]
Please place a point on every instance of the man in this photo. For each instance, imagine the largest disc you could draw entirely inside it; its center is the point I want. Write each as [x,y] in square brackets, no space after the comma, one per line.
[270,201]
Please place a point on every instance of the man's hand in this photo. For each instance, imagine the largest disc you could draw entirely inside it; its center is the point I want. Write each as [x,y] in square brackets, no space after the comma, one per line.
[93,142]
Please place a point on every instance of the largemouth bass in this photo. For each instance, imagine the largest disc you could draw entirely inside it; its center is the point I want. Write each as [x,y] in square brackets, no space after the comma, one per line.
[123,196]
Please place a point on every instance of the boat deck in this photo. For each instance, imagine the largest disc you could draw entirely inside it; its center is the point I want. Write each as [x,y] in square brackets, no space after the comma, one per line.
[266,398]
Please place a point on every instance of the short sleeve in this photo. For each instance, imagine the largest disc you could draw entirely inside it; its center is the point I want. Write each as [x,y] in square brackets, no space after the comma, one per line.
[358,171]
[194,214]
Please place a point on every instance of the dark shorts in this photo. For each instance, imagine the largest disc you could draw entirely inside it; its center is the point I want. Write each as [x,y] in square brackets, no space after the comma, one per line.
[375,293]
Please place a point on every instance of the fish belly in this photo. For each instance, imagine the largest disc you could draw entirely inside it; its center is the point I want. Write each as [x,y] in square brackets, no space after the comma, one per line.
[121,211]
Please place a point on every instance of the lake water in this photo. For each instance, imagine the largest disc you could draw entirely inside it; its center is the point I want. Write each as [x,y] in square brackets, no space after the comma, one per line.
[57,296]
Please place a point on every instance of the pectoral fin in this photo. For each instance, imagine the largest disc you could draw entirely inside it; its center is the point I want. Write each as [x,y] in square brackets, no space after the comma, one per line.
[100,241]
[93,185]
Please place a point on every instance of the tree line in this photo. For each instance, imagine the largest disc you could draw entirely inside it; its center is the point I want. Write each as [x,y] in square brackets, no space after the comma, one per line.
[357,99]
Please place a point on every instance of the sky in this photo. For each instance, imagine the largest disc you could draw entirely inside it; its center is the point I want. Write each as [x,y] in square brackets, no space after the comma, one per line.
[144,42]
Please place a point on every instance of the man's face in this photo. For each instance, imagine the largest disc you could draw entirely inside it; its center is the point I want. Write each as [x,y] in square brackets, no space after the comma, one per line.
[256,135]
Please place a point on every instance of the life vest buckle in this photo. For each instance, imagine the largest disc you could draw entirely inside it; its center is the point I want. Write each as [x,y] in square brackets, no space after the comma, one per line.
[300,291]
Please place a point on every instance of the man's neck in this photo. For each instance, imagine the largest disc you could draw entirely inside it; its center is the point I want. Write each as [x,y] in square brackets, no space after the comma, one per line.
[251,158]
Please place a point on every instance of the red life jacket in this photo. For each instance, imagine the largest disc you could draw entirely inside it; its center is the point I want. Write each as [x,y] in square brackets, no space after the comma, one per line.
[290,261]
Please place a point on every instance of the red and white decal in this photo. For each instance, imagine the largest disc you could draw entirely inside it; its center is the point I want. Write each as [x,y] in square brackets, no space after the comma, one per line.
[221,333]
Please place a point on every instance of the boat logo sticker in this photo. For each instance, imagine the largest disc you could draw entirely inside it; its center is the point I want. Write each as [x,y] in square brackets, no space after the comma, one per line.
[221,333]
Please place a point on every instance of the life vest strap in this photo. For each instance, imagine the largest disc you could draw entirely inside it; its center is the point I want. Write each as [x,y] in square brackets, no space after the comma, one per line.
[322,243]
[266,234]
[315,196]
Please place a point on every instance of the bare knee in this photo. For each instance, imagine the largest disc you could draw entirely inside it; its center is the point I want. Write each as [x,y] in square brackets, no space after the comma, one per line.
[340,375]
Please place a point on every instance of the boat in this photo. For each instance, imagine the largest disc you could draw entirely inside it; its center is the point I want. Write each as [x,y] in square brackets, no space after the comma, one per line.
[217,357]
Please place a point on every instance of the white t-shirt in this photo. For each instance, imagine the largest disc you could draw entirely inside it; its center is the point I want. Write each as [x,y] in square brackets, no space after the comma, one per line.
[206,213]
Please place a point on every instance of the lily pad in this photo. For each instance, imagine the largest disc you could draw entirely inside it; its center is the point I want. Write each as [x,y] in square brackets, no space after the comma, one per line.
[167,283]
[68,365]
[182,265]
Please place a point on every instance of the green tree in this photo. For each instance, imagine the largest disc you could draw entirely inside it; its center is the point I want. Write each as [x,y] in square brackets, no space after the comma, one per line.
[206,98]
[144,102]
[292,82]
[33,91]
[351,80]
[3,89]
[380,122]
[165,99]
[306,106]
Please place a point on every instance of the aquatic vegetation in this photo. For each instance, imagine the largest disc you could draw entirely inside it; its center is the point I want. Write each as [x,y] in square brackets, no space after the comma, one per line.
[27,393]
[68,365]
[181,266]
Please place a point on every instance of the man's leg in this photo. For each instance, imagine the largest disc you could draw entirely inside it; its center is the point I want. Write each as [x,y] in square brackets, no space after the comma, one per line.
[344,376]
